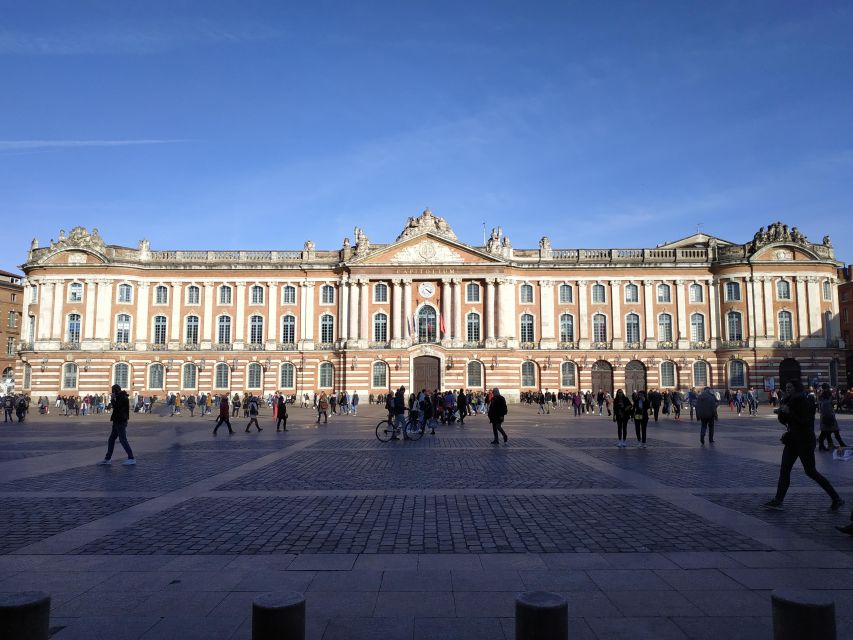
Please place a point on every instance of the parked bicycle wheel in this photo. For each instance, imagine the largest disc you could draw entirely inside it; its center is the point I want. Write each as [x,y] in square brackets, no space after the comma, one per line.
[384,431]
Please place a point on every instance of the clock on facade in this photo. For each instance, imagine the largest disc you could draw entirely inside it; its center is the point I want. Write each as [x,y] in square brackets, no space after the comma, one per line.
[426,289]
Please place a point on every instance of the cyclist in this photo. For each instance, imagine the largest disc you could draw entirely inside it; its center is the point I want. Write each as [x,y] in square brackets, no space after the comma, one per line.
[400,413]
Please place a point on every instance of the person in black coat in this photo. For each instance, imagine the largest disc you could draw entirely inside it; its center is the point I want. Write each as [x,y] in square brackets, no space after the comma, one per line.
[497,412]
[462,406]
[622,413]
[119,418]
[281,414]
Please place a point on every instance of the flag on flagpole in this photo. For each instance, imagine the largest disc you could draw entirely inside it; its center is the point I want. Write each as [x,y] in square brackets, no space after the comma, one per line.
[409,326]
[441,323]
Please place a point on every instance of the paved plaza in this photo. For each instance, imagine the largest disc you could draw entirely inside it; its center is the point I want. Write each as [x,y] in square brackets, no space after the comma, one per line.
[427,539]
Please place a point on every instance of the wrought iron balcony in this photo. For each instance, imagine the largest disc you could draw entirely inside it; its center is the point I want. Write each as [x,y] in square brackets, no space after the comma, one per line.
[286,346]
[159,347]
[567,345]
[122,346]
[191,346]
[601,345]
[70,346]
[666,344]
[527,345]
[700,344]
[787,344]
[259,346]
[733,344]
[325,346]
[633,345]
[222,346]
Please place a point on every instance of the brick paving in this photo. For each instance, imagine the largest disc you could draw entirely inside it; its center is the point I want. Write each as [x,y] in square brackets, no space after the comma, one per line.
[414,539]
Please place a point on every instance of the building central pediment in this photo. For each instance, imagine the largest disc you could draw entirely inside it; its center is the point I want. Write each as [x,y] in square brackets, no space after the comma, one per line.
[427,249]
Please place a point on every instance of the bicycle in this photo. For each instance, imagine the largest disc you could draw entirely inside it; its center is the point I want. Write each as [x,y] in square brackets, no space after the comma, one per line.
[413,429]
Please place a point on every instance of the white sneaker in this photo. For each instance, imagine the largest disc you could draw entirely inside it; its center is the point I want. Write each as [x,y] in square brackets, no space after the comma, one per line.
[129,462]
[104,463]
[618,443]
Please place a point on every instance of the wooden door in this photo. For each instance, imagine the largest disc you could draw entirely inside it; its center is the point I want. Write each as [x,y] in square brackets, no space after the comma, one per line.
[602,377]
[426,373]
[635,377]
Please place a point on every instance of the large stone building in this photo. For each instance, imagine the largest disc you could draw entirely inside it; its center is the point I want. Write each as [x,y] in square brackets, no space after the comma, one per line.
[429,311]
[11,297]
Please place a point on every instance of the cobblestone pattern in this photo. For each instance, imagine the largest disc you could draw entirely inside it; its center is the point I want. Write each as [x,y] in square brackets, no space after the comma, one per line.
[49,445]
[6,456]
[421,524]
[230,444]
[156,473]
[26,521]
[607,443]
[436,469]
[695,468]
[805,514]
[426,442]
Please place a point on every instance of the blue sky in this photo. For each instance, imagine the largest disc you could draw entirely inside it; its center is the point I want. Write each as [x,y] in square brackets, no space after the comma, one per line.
[259,125]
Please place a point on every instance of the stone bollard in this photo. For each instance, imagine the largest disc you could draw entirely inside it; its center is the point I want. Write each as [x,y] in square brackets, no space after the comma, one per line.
[25,616]
[802,614]
[278,616]
[540,615]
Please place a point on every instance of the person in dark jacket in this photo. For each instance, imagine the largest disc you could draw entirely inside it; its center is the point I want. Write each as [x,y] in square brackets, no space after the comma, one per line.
[797,413]
[706,411]
[621,415]
[462,406]
[119,418]
[281,414]
[641,417]
[497,412]
[224,416]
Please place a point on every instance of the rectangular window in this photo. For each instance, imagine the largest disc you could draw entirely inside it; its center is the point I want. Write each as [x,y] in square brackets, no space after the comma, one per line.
[732,291]
[34,294]
[10,346]
[472,292]
[288,296]
[565,294]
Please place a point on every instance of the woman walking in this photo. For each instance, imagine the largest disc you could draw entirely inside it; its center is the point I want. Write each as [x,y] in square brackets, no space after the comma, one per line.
[621,415]
[641,417]
[253,414]
[828,421]
[224,416]
[281,414]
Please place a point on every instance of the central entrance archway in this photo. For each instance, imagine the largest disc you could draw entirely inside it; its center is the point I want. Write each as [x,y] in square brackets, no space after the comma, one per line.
[635,376]
[426,373]
[602,377]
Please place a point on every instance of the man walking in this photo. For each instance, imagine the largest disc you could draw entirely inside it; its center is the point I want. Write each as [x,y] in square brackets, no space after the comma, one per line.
[497,411]
[706,411]
[224,415]
[119,418]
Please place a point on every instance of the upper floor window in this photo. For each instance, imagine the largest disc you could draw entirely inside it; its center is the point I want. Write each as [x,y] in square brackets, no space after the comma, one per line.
[75,292]
[327,328]
[193,294]
[257,294]
[697,327]
[598,293]
[161,294]
[426,324]
[567,328]
[632,293]
[786,326]
[732,291]
[380,327]
[122,328]
[599,327]
[735,325]
[192,330]
[665,327]
[327,294]
[380,292]
[565,294]
[783,290]
[827,290]
[159,329]
[74,327]
[527,332]
[13,319]
[664,293]
[125,293]
[472,327]
[223,330]
[224,294]
[526,294]
[288,329]
[288,295]
[632,327]
[34,294]
[472,292]
[256,330]
[696,293]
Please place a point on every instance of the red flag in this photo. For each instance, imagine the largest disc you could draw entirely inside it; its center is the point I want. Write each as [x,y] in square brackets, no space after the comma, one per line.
[409,324]
[441,324]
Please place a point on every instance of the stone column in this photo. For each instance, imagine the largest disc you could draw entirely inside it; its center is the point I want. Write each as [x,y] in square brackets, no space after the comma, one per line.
[104,313]
[88,328]
[649,321]
[458,337]
[445,312]
[757,289]
[407,310]
[583,315]
[682,339]
[769,320]
[714,310]
[354,313]
[175,328]
[207,323]
[802,309]
[58,330]
[815,298]
[507,312]
[546,315]
[343,311]
[617,323]
[489,312]
[306,313]
[397,332]
[240,320]
[141,321]
[45,310]
[272,315]
[365,333]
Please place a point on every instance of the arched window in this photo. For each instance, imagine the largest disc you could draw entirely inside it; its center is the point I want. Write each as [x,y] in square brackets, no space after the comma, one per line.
[69,375]
[74,327]
[327,372]
[665,327]
[221,375]
[426,325]
[288,295]
[737,374]
[155,376]
[732,291]
[223,330]
[122,328]
[567,328]
[192,330]
[664,293]
[257,294]
[75,292]
[526,294]
[734,325]
[327,329]
[827,290]
[700,374]
[327,294]
[161,294]
[527,332]
[190,377]
[125,293]
[256,330]
[565,294]
[28,375]
[598,293]
[472,322]
[193,294]
[286,377]
[632,327]
[599,328]
[159,330]
[568,375]
[472,292]
[288,329]
[696,293]
[254,376]
[786,326]
[697,327]
[380,292]
[380,375]
[667,374]
[224,294]
[783,290]
[380,327]
[632,293]
[121,375]
[8,373]
[528,374]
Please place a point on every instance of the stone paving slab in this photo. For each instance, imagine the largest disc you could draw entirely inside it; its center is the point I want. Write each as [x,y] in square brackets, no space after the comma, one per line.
[426,442]
[609,443]
[42,446]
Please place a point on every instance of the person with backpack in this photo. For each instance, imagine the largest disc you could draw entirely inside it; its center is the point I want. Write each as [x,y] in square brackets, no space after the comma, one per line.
[323,408]
[252,410]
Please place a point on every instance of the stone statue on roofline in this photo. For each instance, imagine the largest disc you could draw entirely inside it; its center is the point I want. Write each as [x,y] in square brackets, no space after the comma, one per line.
[427,222]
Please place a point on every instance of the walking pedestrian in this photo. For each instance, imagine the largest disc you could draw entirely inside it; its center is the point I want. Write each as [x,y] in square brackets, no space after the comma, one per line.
[797,412]
[497,412]
[224,416]
[119,418]
[621,415]
[323,408]
[828,421]
[253,414]
[281,414]
[641,417]
[706,411]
